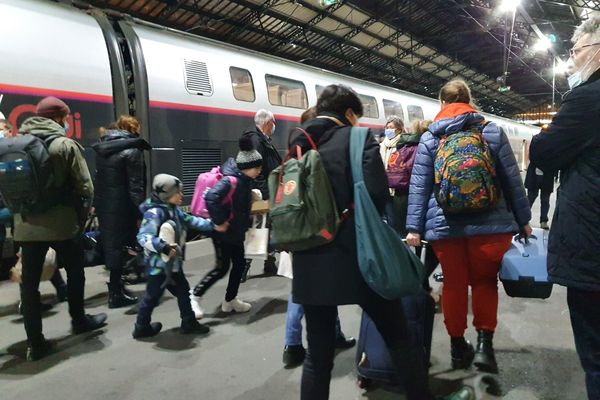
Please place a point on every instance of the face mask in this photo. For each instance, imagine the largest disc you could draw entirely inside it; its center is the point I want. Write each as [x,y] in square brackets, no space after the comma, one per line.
[273,130]
[575,80]
[578,77]
[390,133]
[2,134]
[66,127]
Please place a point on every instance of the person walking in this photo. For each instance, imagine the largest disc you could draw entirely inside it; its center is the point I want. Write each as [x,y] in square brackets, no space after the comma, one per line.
[539,183]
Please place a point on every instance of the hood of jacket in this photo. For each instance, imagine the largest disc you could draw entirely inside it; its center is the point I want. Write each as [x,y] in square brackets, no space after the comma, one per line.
[408,138]
[115,141]
[42,127]
[154,202]
[456,123]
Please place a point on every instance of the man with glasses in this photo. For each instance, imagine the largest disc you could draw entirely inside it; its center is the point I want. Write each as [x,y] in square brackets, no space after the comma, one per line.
[260,135]
[572,145]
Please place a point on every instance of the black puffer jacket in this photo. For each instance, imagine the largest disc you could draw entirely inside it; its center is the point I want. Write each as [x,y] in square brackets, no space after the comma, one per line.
[572,145]
[329,275]
[120,185]
[238,211]
[270,155]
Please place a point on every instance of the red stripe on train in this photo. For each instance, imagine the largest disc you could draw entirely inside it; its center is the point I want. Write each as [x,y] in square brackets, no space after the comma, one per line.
[62,94]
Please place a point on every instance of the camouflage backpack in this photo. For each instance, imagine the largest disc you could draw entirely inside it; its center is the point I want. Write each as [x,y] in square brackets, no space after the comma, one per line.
[464,173]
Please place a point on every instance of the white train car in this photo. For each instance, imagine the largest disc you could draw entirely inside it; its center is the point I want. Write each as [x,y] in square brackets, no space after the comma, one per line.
[194,96]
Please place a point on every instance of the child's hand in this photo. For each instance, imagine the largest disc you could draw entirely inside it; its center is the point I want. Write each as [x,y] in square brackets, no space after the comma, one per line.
[222,228]
[170,250]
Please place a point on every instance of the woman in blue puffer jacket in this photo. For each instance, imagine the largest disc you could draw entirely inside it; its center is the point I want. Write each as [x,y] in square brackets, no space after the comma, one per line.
[469,246]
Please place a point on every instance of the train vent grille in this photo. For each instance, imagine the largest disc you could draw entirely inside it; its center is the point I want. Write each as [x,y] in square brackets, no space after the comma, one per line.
[195,162]
[197,80]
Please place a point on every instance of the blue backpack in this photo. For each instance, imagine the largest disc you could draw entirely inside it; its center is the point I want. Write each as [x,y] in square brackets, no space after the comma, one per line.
[386,263]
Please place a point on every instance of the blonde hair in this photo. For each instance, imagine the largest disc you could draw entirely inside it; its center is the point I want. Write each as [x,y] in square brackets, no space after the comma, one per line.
[421,126]
[456,91]
[129,124]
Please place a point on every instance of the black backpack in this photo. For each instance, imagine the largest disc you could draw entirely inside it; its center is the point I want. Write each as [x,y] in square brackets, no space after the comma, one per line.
[26,174]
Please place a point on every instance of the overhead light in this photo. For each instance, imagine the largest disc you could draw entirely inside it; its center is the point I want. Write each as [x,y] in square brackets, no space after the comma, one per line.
[509,5]
[543,44]
[560,67]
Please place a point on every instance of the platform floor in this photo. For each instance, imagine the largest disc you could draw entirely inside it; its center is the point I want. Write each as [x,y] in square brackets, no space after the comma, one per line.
[241,358]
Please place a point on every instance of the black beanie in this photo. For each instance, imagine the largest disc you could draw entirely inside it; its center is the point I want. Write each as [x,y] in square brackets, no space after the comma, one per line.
[247,157]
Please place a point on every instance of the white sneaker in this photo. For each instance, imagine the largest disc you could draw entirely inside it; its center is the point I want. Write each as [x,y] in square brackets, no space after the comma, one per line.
[235,305]
[195,302]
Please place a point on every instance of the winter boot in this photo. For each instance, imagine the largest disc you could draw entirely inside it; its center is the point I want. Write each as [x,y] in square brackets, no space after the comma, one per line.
[462,353]
[141,331]
[485,360]
[195,303]
[88,323]
[118,298]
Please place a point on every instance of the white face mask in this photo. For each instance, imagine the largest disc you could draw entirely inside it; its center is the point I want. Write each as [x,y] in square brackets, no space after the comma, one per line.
[390,133]
[3,134]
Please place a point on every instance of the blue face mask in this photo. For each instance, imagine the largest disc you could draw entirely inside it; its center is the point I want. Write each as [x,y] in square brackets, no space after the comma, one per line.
[575,80]
[2,134]
[66,127]
[390,133]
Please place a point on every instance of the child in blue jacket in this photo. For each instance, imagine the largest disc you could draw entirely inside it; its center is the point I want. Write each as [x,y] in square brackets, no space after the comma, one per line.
[162,235]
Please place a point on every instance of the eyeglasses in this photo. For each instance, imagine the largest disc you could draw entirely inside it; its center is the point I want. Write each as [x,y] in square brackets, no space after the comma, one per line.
[573,52]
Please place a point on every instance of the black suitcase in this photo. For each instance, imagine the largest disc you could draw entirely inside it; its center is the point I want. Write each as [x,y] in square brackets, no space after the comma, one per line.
[372,357]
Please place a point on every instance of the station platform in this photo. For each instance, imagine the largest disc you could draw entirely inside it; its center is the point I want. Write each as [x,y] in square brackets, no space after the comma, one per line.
[240,359]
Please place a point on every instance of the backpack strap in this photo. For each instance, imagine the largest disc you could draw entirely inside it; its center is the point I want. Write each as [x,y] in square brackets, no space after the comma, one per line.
[229,198]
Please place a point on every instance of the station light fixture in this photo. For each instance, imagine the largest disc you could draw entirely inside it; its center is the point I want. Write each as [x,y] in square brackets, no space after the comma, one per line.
[509,5]
[560,67]
[543,44]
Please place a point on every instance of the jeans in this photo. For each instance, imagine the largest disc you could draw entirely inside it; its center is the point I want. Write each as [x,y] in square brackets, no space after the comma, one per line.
[390,321]
[585,320]
[33,254]
[544,200]
[226,254]
[180,289]
[293,324]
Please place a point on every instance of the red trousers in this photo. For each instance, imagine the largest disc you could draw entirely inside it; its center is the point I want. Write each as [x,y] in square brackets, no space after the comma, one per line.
[474,261]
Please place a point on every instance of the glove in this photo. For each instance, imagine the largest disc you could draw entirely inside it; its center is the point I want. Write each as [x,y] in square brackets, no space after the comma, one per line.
[166,250]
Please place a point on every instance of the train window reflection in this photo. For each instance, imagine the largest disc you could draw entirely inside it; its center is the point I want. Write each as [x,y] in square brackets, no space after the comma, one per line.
[242,85]
[415,113]
[369,103]
[319,89]
[392,108]
[286,92]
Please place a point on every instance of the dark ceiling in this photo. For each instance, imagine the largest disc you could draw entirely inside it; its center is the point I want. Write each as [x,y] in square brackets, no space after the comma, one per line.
[411,45]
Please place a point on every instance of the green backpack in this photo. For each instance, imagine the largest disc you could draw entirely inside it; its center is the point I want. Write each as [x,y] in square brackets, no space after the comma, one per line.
[303,212]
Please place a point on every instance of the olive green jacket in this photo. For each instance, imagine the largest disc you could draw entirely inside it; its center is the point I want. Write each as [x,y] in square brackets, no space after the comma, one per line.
[65,220]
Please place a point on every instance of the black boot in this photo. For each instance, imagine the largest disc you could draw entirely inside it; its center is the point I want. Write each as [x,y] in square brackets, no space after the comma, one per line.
[191,326]
[88,323]
[117,296]
[485,360]
[462,353]
[270,268]
[141,331]
[244,277]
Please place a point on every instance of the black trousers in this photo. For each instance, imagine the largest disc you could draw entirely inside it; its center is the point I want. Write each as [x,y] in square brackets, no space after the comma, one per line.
[180,289]
[390,320]
[585,320]
[544,200]
[226,254]
[33,254]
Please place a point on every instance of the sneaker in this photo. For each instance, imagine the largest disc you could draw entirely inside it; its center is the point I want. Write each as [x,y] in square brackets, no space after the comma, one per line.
[89,323]
[544,225]
[140,331]
[38,351]
[293,355]
[344,342]
[195,303]
[235,305]
[465,393]
[193,327]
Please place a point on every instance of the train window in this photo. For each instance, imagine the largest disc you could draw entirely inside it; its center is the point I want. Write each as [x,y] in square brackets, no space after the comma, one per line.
[242,85]
[286,92]
[369,103]
[392,108]
[415,113]
[197,80]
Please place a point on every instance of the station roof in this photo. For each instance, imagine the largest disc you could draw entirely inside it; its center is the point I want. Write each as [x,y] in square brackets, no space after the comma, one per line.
[411,45]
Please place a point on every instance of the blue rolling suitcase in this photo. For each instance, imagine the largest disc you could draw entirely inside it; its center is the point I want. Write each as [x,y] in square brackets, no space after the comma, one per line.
[523,272]
[372,357]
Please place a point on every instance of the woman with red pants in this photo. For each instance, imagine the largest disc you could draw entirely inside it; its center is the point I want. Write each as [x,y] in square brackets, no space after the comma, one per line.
[469,245]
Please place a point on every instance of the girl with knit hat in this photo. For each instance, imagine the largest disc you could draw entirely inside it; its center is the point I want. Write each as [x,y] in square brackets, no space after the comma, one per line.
[234,213]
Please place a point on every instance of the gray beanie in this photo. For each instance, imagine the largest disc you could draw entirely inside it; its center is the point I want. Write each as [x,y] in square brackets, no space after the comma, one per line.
[247,157]
[165,186]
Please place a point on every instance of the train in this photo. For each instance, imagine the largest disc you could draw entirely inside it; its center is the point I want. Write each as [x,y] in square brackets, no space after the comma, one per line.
[194,96]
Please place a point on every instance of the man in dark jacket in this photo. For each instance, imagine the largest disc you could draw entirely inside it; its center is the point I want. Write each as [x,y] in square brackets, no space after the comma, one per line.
[59,227]
[120,189]
[260,135]
[538,182]
[572,145]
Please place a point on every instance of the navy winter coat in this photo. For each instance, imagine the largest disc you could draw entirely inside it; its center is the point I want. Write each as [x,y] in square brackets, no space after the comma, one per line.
[572,145]
[239,207]
[427,218]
